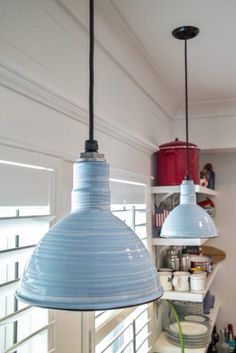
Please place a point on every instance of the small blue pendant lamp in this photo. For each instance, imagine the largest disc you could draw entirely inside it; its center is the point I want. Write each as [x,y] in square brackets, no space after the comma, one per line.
[187,220]
[90,260]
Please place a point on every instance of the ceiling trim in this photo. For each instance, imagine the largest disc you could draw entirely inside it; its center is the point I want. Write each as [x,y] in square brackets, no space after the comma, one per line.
[21,84]
[146,53]
[208,109]
[161,110]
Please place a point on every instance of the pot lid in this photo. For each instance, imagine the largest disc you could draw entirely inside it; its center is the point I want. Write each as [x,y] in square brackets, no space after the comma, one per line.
[177,143]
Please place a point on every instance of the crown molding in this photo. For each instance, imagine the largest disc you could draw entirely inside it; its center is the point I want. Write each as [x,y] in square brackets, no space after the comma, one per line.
[145,52]
[22,84]
[217,109]
[161,111]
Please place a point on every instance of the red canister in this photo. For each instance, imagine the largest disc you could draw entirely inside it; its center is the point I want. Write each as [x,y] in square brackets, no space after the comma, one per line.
[171,163]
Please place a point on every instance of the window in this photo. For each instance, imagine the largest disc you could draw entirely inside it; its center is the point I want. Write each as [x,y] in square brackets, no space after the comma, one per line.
[125,330]
[25,216]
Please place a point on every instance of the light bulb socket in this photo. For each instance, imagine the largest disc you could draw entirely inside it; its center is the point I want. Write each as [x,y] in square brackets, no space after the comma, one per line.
[91,156]
[91,146]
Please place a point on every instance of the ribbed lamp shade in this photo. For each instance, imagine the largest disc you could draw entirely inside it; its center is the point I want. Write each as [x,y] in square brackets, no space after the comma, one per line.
[90,260]
[188,220]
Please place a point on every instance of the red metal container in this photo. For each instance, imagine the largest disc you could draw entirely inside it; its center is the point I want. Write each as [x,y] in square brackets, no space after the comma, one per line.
[171,163]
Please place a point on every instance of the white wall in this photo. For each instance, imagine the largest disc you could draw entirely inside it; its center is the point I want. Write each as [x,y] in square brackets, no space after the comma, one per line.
[212,124]
[44,100]
[225,283]
[43,93]
[212,128]
[44,56]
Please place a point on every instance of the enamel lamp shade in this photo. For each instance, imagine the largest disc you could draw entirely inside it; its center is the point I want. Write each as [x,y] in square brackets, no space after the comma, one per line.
[90,260]
[187,220]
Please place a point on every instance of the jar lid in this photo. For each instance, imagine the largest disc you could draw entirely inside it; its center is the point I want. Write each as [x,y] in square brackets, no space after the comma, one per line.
[177,143]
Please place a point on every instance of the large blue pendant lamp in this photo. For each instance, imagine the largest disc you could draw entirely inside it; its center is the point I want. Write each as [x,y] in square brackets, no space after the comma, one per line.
[90,260]
[187,220]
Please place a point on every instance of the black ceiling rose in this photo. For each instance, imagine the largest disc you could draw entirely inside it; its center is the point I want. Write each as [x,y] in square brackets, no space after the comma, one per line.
[185,32]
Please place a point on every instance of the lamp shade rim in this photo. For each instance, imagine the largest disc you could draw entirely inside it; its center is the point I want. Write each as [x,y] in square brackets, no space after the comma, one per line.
[76,307]
[189,236]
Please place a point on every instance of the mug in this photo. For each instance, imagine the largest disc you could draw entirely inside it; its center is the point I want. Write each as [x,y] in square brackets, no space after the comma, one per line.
[166,280]
[181,281]
[198,281]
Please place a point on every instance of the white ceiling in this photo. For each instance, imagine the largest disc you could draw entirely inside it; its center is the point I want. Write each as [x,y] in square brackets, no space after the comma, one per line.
[212,54]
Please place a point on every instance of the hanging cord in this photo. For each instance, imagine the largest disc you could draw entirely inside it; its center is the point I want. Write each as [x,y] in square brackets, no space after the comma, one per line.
[91,145]
[91,69]
[173,310]
[186,109]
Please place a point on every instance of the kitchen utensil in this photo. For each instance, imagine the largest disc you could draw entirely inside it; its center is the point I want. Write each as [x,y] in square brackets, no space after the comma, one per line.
[171,163]
[197,318]
[190,328]
[171,259]
[198,281]
[195,334]
[184,260]
[181,281]
[202,262]
[166,280]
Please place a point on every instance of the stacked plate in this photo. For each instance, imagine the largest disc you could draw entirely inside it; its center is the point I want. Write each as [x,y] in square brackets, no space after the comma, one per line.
[195,334]
[197,318]
[186,308]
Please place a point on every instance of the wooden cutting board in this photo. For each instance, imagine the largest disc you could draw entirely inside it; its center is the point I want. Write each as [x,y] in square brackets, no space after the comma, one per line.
[216,254]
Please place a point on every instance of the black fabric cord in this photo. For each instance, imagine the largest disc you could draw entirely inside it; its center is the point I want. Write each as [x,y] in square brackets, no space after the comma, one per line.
[91,69]
[91,145]
[186,109]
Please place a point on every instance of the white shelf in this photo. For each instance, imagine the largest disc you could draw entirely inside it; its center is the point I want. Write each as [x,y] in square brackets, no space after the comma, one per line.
[178,242]
[163,346]
[191,296]
[176,189]
[214,313]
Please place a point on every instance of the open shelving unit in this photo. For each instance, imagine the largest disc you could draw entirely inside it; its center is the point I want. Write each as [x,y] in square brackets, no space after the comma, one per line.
[178,242]
[176,189]
[192,296]
[163,346]
[159,193]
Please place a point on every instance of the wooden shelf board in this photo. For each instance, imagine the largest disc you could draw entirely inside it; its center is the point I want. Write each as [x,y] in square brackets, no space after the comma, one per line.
[176,189]
[191,296]
[178,242]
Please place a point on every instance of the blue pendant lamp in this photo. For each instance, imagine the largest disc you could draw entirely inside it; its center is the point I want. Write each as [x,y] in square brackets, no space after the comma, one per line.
[90,260]
[187,220]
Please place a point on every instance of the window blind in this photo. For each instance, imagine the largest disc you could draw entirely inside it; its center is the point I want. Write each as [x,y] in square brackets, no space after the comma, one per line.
[24,218]
[125,330]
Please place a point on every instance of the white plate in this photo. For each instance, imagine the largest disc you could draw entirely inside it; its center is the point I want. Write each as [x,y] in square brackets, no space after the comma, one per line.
[196,318]
[190,328]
